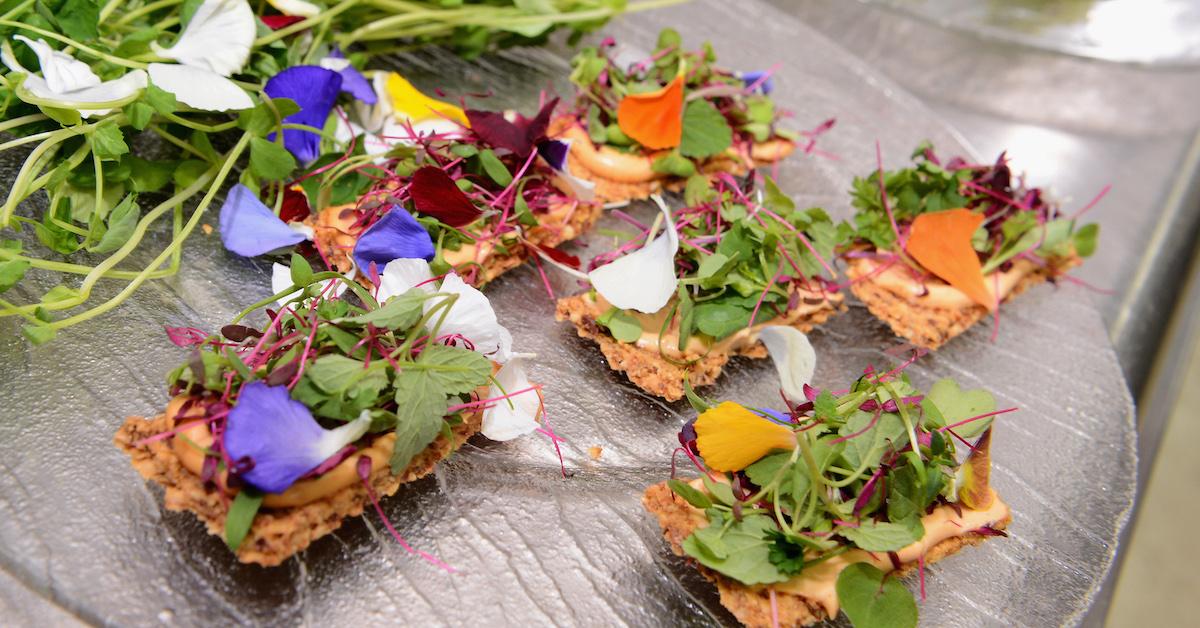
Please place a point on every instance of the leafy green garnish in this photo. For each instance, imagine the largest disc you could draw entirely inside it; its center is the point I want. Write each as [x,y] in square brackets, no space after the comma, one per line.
[241,515]
[872,600]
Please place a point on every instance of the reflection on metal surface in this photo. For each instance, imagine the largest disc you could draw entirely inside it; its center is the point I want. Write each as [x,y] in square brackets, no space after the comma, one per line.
[1159,32]
[534,548]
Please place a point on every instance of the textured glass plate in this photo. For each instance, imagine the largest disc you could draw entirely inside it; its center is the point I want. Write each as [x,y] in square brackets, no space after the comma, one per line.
[81,528]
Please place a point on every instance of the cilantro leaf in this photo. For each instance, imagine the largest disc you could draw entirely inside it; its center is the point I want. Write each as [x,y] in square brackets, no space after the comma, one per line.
[872,600]
[705,131]
[787,555]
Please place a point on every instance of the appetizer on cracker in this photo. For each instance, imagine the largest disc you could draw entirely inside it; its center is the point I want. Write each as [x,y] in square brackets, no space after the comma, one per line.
[275,434]
[801,513]
[487,189]
[944,244]
[637,130]
[675,307]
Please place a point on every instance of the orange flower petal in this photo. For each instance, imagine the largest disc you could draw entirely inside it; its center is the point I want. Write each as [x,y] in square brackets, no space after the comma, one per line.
[941,242]
[654,119]
[731,438]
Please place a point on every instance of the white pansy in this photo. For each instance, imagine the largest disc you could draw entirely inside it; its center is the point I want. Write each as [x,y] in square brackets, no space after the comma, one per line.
[218,37]
[794,358]
[295,7]
[645,279]
[514,416]
[404,274]
[199,88]
[71,82]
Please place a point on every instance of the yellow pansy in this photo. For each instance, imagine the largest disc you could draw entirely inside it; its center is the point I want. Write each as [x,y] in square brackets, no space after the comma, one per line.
[730,437]
[408,102]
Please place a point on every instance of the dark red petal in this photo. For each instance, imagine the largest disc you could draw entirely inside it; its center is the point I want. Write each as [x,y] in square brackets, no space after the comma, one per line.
[560,257]
[276,22]
[435,194]
[492,128]
[295,206]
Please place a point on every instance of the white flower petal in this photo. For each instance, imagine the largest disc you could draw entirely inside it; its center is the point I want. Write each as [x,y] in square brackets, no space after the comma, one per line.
[295,7]
[472,317]
[794,358]
[199,88]
[108,91]
[401,275]
[218,38]
[514,416]
[645,279]
[337,64]
[63,73]
[281,279]
[373,117]
[332,441]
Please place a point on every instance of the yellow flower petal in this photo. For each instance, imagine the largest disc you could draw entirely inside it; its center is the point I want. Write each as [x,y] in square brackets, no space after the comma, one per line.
[408,102]
[731,438]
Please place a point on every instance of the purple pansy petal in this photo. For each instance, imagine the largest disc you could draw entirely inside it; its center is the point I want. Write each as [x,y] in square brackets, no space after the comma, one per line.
[250,228]
[353,81]
[279,435]
[315,89]
[394,236]
[555,153]
[774,415]
[766,87]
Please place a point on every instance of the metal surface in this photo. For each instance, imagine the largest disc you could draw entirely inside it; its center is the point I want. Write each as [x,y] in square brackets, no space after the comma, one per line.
[83,531]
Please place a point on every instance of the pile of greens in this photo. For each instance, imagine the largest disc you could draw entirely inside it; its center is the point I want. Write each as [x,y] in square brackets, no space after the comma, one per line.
[865,467]
[722,109]
[340,357]
[1019,220]
[152,164]
[740,261]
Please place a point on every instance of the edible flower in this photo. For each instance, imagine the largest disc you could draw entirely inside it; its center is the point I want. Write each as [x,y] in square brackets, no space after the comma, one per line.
[250,228]
[517,405]
[941,243]
[518,135]
[645,279]
[654,119]
[71,82]
[353,81]
[315,90]
[730,437]
[397,234]
[471,318]
[214,45]
[435,194]
[761,81]
[280,437]
[555,152]
[794,358]
[427,115]
[295,8]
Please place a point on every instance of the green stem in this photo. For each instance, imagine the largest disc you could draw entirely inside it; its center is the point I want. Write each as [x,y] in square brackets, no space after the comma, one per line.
[78,46]
[146,10]
[306,24]
[16,122]
[17,10]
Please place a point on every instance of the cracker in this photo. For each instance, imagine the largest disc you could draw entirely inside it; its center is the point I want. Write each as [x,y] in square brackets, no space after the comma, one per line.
[928,326]
[752,606]
[277,533]
[653,373]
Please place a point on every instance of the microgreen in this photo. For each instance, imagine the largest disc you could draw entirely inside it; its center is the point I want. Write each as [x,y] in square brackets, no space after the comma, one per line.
[856,473]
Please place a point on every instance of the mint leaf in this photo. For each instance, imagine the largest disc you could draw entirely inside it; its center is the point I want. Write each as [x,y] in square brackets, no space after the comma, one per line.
[456,370]
[880,536]
[241,516]
[270,161]
[11,272]
[622,325]
[421,406]
[742,552]
[872,600]
[122,220]
[705,131]
[691,495]
[495,168]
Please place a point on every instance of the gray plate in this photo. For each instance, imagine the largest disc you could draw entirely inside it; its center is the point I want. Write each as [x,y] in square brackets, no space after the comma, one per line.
[81,528]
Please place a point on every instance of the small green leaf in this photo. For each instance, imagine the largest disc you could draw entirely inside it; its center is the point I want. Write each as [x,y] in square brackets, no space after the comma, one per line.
[301,270]
[108,142]
[79,19]
[421,405]
[399,312]
[122,220]
[456,370]
[163,101]
[705,131]
[65,117]
[719,319]
[495,168]
[38,334]
[957,405]
[872,600]
[148,176]
[719,490]
[241,516]
[11,272]
[621,325]
[674,164]
[691,495]
[1086,239]
[270,161]
[742,552]
[138,114]
[879,536]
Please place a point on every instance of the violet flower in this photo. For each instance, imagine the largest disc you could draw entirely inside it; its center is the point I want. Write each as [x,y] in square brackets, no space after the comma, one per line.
[315,90]
[280,437]
[765,87]
[353,81]
[555,152]
[394,236]
[250,228]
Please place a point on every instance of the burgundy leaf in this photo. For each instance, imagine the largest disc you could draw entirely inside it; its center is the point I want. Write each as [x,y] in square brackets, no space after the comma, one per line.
[435,194]
[283,374]
[185,336]
[238,333]
[561,257]
[519,135]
